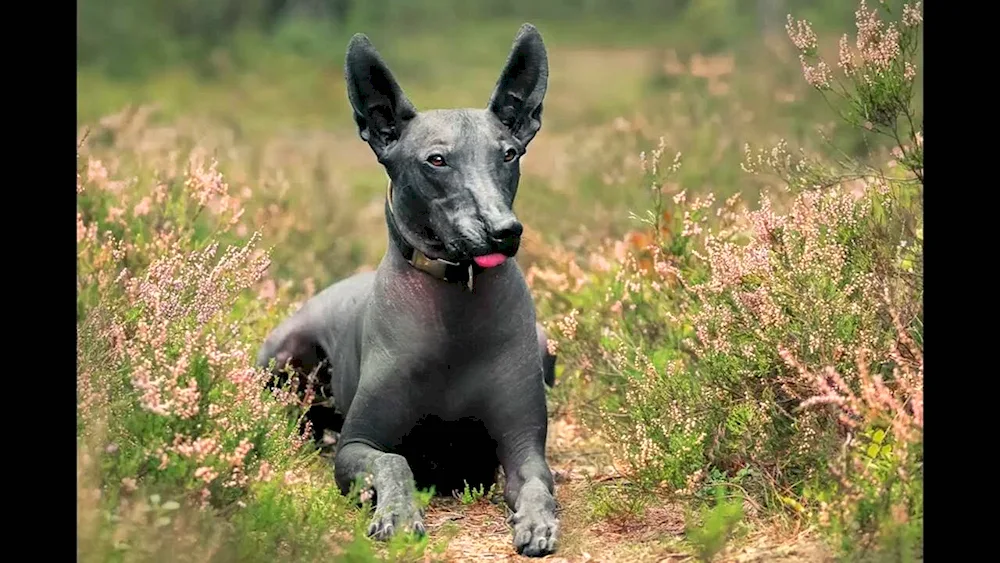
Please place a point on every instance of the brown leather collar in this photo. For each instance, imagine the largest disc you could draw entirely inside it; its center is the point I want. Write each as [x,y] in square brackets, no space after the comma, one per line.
[453,272]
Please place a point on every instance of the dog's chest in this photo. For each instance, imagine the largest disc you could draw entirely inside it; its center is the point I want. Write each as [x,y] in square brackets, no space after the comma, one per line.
[448,392]
[449,454]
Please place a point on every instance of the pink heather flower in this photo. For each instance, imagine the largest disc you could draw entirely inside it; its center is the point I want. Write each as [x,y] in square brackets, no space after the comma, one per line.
[264,471]
[81,229]
[205,184]
[293,477]
[268,290]
[599,263]
[96,172]
[206,474]
[199,449]
[160,194]
[115,213]
[846,59]
[241,452]
[567,326]
[801,34]
[143,207]
[205,494]
[187,400]
[877,43]
[909,72]
[912,16]
[817,76]
[663,268]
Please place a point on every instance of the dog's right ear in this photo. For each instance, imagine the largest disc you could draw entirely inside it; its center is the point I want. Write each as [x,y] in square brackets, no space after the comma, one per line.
[381,110]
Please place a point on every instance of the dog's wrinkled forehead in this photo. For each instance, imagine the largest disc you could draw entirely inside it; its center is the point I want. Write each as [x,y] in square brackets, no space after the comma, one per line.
[455,130]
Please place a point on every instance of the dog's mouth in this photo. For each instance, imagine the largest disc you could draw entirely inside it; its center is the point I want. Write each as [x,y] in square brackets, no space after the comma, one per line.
[490,260]
[436,249]
[484,259]
[433,247]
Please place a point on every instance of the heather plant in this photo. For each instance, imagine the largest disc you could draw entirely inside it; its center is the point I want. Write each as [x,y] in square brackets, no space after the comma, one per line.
[768,349]
[171,301]
[876,89]
[616,500]
[471,495]
[276,181]
[776,347]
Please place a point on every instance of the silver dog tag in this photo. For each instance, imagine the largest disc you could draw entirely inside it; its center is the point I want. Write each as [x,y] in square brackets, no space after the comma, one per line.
[470,277]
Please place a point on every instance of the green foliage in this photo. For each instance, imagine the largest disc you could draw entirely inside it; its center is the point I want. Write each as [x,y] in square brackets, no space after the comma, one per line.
[878,87]
[277,523]
[873,511]
[471,495]
[617,500]
[711,527]
[724,340]
[697,355]
[170,405]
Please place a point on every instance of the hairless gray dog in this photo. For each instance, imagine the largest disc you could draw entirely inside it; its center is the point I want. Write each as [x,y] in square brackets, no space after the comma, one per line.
[434,362]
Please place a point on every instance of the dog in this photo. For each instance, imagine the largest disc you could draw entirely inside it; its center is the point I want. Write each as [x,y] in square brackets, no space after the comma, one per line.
[434,363]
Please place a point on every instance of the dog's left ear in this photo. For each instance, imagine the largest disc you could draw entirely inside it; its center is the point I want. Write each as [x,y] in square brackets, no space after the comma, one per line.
[517,97]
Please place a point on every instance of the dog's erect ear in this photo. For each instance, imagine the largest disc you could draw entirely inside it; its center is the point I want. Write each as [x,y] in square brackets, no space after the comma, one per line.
[517,98]
[381,110]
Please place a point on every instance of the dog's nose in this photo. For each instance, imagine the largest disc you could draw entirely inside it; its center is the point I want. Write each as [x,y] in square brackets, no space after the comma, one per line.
[507,236]
[508,231]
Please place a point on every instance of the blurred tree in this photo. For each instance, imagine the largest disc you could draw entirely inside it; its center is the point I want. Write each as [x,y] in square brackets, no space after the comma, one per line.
[336,11]
[127,36]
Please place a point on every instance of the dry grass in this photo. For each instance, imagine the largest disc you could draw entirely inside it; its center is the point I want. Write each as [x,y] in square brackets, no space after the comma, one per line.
[478,531]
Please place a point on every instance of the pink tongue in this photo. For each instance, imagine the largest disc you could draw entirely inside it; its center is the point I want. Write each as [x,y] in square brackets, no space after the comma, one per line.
[490,260]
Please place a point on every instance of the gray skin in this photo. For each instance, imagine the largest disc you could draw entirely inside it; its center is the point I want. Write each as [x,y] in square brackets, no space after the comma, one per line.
[437,384]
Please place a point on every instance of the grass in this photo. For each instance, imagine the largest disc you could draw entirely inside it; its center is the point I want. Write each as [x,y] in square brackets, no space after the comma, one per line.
[684,358]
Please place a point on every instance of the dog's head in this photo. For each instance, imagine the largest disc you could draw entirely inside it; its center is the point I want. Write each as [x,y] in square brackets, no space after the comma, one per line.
[455,172]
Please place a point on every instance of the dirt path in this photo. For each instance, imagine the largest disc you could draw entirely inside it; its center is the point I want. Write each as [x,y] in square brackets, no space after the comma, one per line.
[478,531]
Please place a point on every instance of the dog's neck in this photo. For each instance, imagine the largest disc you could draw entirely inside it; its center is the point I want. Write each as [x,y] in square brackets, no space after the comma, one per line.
[463,273]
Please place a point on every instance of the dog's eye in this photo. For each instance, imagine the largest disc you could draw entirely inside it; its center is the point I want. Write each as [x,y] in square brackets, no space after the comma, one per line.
[509,155]
[436,160]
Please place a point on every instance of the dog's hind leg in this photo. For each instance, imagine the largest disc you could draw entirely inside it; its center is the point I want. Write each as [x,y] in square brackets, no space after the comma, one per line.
[548,359]
[294,351]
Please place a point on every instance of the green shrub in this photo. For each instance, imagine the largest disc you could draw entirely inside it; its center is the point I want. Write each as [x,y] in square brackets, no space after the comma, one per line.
[781,343]
[711,527]
[172,301]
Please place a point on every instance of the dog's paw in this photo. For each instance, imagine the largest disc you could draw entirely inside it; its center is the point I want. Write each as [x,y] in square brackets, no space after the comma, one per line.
[535,532]
[396,517]
[535,524]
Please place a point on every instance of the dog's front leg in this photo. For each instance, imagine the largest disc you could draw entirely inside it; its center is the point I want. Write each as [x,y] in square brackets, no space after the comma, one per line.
[529,493]
[392,479]
[381,414]
[518,419]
